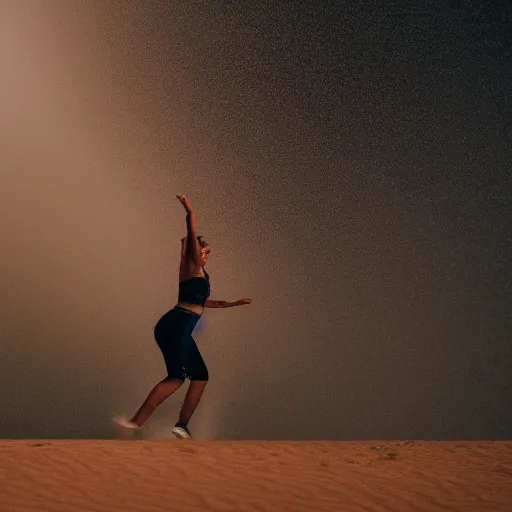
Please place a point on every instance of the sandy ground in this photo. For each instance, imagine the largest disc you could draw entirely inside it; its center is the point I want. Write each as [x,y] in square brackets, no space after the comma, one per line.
[189,475]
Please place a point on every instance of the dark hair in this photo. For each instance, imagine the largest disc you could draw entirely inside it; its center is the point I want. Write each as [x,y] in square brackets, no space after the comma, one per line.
[202,241]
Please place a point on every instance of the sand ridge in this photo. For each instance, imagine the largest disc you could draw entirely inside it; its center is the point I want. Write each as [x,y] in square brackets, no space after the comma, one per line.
[225,476]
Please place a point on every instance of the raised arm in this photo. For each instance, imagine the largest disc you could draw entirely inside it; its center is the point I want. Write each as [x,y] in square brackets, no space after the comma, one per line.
[192,246]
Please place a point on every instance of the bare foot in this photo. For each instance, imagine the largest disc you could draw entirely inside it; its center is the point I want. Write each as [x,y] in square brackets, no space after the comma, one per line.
[126,429]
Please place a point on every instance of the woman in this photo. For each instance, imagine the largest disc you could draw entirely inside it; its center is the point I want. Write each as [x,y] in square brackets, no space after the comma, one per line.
[173,333]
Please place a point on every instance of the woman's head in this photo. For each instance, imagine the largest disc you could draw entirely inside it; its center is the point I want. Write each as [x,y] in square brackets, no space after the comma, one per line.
[204,251]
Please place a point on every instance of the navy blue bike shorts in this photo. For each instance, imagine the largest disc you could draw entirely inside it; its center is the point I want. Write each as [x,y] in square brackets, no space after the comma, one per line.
[173,335]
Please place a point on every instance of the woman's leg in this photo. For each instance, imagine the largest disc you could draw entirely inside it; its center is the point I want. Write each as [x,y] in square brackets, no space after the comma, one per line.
[192,399]
[198,375]
[170,332]
[164,389]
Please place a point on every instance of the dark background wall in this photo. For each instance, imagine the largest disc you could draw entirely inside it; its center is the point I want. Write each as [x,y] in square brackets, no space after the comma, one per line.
[350,168]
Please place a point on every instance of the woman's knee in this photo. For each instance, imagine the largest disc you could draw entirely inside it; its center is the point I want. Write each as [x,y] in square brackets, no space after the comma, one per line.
[202,376]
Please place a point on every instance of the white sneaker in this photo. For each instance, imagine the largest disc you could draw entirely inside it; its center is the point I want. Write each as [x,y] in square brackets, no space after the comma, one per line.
[182,432]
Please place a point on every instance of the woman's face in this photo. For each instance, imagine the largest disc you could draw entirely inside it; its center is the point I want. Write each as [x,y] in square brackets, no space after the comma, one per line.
[205,252]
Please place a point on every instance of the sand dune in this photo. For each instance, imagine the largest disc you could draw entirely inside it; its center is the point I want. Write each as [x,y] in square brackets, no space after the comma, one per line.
[189,475]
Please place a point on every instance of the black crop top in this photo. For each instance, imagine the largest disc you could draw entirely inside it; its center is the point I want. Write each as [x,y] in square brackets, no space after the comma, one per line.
[195,290]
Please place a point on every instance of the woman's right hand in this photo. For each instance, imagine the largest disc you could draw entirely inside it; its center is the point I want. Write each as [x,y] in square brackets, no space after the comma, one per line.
[185,202]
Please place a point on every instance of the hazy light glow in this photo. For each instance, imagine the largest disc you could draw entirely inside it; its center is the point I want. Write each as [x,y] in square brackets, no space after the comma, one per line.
[353,182]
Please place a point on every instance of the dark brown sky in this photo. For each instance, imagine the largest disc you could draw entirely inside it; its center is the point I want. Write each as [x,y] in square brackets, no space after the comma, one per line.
[350,168]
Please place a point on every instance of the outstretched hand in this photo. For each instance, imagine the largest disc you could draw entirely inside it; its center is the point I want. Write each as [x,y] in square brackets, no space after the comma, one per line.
[244,301]
[185,202]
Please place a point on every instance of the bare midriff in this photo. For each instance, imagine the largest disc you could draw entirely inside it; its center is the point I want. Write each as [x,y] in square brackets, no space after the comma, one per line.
[195,308]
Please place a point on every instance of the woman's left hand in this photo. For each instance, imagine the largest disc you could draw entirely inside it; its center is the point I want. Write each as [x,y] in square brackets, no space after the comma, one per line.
[185,202]
[242,302]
